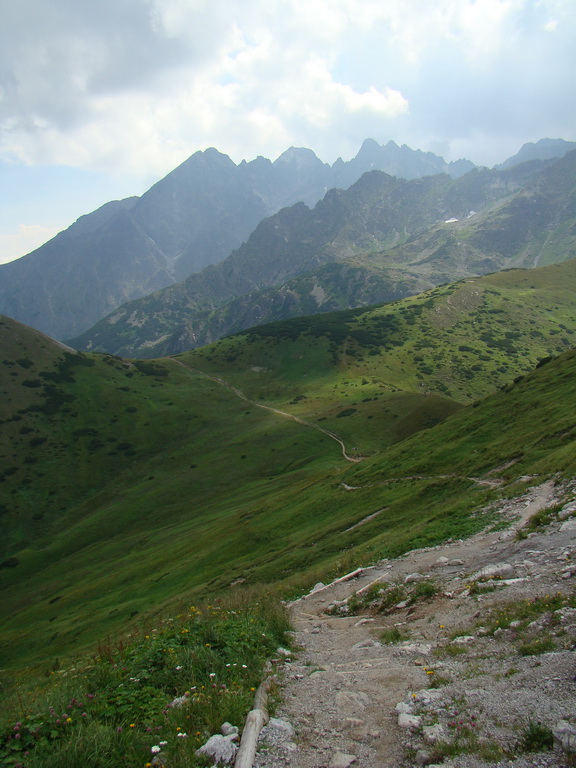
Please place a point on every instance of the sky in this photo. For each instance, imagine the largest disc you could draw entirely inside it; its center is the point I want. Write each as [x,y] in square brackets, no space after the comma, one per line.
[98,100]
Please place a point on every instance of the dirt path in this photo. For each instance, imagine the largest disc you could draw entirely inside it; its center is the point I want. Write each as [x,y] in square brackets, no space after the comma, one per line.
[283,414]
[342,688]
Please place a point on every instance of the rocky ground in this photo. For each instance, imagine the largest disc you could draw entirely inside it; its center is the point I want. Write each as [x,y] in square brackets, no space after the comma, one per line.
[459,655]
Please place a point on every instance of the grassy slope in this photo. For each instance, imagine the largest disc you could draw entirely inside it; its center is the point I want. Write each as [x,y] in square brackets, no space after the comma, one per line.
[405,365]
[212,489]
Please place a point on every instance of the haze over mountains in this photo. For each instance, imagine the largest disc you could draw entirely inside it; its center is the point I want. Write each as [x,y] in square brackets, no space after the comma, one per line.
[382,239]
[192,218]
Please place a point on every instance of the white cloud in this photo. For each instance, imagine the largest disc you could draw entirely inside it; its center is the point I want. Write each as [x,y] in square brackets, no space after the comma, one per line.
[135,86]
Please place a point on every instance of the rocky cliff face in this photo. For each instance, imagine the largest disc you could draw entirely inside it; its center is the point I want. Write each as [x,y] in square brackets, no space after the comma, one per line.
[382,239]
[192,218]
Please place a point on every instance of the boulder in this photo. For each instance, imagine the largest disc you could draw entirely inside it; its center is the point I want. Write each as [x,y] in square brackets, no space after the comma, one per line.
[433,733]
[227,729]
[341,760]
[409,721]
[565,735]
[494,571]
[220,749]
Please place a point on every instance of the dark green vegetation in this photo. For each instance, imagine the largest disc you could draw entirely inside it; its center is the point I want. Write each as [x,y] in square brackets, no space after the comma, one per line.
[382,239]
[130,486]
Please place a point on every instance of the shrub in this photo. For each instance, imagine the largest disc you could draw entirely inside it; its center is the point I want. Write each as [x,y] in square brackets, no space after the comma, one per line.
[393,635]
[536,737]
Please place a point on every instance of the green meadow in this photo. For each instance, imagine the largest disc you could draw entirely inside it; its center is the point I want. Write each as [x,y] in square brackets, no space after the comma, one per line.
[132,488]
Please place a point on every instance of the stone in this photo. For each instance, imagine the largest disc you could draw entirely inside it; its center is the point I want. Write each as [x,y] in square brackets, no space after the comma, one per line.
[284,652]
[366,644]
[463,639]
[220,749]
[427,695]
[227,729]
[567,510]
[423,648]
[403,708]
[433,733]
[341,760]
[178,702]
[355,700]
[317,587]
[422,757]
[413,577]
[281,727]
[565,735]
[409,721]
[456,562]
[493,571]
[569,525]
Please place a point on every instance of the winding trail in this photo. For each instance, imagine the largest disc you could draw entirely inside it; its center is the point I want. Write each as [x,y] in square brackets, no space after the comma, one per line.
[277,411]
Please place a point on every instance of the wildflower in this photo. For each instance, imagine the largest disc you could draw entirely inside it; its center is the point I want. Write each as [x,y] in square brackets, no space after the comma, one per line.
[163,743]
[182,735]
[212,675]
[178,728]
[68,719]
[132,725]
[441,626]
[155,749]
[178,668]
[84,714]
[119,729]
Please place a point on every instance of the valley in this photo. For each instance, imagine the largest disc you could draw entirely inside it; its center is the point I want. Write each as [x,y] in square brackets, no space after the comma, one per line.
[344,391]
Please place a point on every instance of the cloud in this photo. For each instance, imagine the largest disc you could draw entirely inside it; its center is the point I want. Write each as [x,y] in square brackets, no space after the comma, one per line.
[138,85]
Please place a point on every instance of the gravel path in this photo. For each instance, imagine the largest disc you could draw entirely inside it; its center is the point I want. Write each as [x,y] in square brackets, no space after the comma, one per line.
[345,691]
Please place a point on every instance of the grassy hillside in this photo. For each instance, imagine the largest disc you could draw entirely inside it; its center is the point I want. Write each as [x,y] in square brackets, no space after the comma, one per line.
[376,375]
[132,487]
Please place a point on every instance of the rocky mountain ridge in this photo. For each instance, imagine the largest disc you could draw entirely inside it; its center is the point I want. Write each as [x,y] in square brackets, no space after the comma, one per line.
[382,239]
[193,217]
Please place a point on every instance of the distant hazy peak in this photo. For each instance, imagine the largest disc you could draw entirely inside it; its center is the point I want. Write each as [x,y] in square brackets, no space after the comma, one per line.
[544,149]
[298,156]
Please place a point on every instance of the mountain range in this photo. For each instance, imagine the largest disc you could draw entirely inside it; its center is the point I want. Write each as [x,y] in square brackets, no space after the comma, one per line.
[382,239]
[192,218]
